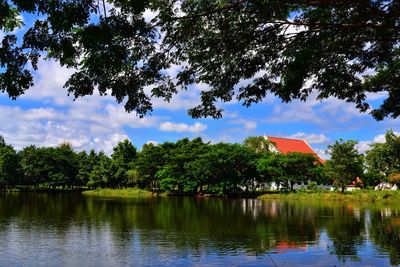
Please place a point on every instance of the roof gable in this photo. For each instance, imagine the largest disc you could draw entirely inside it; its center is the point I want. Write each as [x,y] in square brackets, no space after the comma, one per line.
[287,145]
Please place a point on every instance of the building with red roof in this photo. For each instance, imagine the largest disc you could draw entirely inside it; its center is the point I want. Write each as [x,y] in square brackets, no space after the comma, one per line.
[287,145]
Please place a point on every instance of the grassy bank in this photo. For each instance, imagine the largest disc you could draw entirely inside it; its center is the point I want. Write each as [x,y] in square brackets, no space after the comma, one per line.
[356,196]
[125,193]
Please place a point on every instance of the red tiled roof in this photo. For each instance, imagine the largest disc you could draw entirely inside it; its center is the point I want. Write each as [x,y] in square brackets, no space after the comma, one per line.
[356,183]
[286,145]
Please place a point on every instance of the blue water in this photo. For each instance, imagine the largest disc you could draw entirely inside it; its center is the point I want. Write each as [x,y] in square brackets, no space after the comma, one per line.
[71,230]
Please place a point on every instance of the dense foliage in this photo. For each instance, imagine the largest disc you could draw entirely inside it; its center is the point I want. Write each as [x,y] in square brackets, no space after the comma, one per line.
[184,167]
[345,164]
[193,166]
[383,159]
[289,48]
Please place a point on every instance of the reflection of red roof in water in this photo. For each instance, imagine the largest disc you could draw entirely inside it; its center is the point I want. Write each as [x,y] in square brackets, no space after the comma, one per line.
[283,246]
[286,145]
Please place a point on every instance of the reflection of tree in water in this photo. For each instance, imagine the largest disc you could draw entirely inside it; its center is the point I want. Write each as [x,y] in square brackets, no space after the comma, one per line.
[346,230]
[385,232]
[180,224]
[207,226]
[188,226]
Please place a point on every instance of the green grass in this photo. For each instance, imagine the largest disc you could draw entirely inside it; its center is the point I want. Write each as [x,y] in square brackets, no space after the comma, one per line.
[125,193]
[370,196]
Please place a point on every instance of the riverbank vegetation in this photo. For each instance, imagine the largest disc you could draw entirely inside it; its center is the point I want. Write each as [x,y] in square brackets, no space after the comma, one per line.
[126,192]
[192,167]
[359,196]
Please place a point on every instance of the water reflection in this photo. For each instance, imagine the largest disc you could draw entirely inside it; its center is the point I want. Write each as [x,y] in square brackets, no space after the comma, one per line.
[68,229]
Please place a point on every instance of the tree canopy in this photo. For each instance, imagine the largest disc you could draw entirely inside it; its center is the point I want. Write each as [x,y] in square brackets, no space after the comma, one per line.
[258,143]
[383,159]
[191,166]
[346,163]
[292,49]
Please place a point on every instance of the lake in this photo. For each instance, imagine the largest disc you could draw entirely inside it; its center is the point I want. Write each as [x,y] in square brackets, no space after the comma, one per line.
[39,229]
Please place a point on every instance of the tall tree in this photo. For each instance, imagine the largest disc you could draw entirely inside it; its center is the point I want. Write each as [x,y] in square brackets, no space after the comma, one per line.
[150,160]
[87,162]
[300,167]
[102,172]
[288,169]
[2,141]
[66,166]
[228,168]
[289,48]
[30,165]
[123,159]
[384,158]
[176,174]
[346,163]
[9,167]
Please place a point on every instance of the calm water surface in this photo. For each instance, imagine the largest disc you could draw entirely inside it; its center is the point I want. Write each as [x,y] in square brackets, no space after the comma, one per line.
[72,230]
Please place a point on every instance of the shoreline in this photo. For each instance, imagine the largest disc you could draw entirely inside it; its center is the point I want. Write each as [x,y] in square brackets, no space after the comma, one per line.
[370,196]
[364,195]
[122,193]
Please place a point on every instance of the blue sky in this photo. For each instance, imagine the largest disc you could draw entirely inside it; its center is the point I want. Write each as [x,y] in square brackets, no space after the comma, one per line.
[46,116]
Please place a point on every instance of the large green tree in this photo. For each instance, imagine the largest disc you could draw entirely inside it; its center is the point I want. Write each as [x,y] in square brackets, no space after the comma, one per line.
[31,165]
[300,168]
[149,161]
[123,158]
[289,169]
[289,48]
[9,167]
[85,166]
[384,158]
[49,166]
[177,173]
[2,141]
[66,166]
[101,174]
[345,164]
[227,169]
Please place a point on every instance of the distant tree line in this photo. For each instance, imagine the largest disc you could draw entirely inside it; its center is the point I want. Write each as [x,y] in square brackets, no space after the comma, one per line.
[194,166]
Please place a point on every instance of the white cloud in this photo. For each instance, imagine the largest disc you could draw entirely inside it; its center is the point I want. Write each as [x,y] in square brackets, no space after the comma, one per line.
[297,111]
[230,115]
[382,139]
[364,146]
[152,142]
[49,127]
[248,125]
[183,100]
[42,114]
[338,110]
[148,15]
[322,153]
[311,138]
[108,142]
[182,127]
[49,81]
[91,122]
[378,95]
[328,113]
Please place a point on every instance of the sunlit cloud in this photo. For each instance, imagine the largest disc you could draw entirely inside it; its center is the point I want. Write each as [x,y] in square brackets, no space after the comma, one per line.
[197,127]
[311,138]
